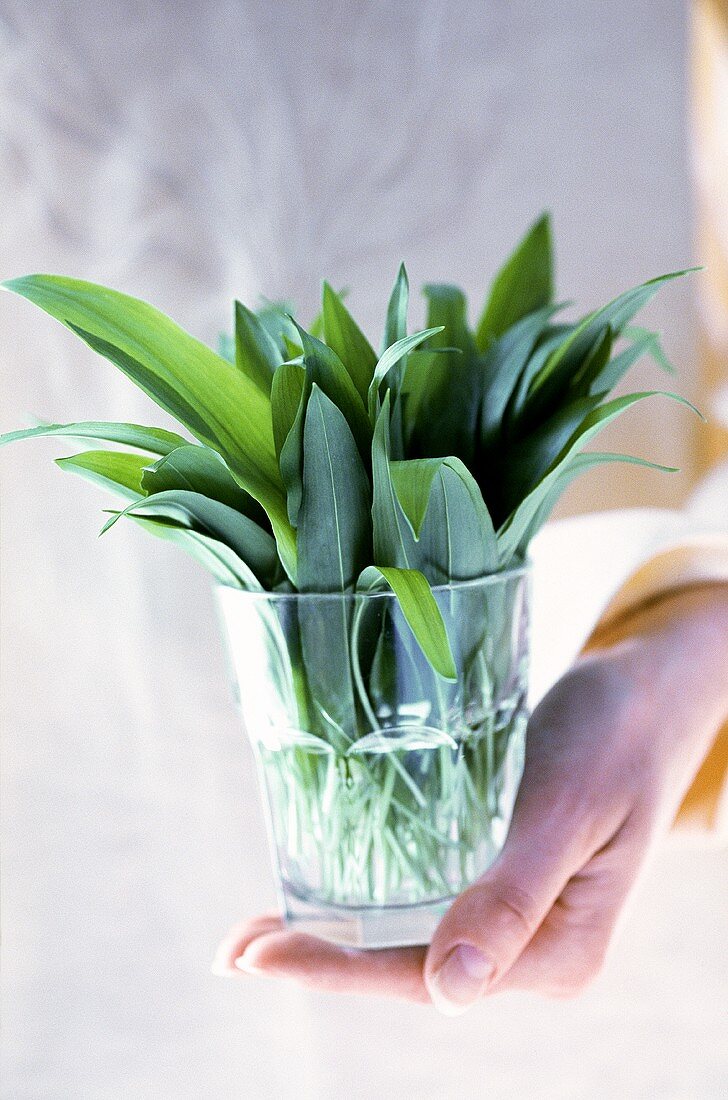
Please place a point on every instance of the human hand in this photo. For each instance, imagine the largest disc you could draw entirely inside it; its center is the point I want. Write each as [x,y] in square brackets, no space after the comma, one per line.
[611,751]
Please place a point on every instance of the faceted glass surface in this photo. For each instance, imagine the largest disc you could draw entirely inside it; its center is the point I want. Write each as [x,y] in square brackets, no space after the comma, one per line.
[388,789]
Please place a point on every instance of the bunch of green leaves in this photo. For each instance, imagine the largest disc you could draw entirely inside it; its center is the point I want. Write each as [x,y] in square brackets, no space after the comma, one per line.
[317,464]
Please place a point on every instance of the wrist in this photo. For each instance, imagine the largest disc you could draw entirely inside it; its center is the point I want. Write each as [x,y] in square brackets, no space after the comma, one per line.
[676,652]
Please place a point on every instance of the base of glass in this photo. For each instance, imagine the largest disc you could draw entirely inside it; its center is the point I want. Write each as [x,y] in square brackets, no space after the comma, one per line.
[365,926]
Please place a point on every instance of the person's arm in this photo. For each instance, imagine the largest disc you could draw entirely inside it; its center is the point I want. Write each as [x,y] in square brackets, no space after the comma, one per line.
[611,751]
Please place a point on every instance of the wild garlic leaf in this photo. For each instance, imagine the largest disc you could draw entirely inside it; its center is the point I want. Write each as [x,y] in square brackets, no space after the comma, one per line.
[245,538]
[511,534]
[394,355]
[594,363]
[613,370]
[529,458]
[275,317]
[439,524]
[447,398]
[457,434]
[201,470]
[551,338]
[456,541]
[523,284]
[656,350]
[344,336]
[334,544]
[501,369]
[617,314]
[185,377]
[215,556]
[578,465]
[155,440]
[119,471]
[226,346]
[420,610]
[292,461]
[389,523]
[334,522]
[447,310]
[217,403]
[286,392]
[413,483]
[256,353]
[395,327]
[325,369]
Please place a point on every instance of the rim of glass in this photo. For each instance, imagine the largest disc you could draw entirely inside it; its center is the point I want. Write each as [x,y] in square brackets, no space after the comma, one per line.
[486,581]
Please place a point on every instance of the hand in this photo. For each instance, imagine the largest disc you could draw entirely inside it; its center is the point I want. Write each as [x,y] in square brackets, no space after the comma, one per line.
[611,751]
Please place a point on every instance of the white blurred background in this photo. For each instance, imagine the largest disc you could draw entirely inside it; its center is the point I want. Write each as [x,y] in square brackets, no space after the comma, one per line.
[188,152]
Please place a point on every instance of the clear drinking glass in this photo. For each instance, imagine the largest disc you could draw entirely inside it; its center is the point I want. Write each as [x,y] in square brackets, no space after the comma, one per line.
[388,790]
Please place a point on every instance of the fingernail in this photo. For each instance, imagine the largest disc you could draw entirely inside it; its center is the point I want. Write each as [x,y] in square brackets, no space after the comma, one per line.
[247,967]
[460,980]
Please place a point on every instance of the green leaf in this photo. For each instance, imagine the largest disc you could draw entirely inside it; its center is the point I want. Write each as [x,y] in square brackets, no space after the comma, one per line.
[325,369]
[579,464]
[256,353]
[291,456]
[511,534]
[316,328]
[523,285]
[594,364]
[551,338]
[603,377]
[334,524]
[421,612]
[442,394]
[201,470]
[656,350]
[249,542]
[116,470]
[447,309]
[456,541]
[389,524]
[502,367]
[413,480]
[342,333]
[216,402]
[226,346]
[565,360]
[334,543]
[275,319]
[156,440]
[526,462]
[286,392]
[219,560]
[393,355]
[395,327]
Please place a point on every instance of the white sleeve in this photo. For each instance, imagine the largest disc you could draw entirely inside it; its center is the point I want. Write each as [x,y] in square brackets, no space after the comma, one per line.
[589,568]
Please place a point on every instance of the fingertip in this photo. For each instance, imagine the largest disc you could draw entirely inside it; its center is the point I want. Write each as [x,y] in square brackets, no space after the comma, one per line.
[234,945]
[245,966]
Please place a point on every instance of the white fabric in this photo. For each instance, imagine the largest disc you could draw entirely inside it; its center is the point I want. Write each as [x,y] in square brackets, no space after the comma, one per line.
[581,563]
[186,152]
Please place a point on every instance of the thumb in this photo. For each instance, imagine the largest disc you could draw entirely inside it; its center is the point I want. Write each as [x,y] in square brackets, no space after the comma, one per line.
[491,923]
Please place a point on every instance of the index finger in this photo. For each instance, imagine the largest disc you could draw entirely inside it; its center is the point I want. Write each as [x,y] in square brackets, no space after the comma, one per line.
[317,964]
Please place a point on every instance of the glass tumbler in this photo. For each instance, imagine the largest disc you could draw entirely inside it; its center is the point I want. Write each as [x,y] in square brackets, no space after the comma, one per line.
[388,790]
